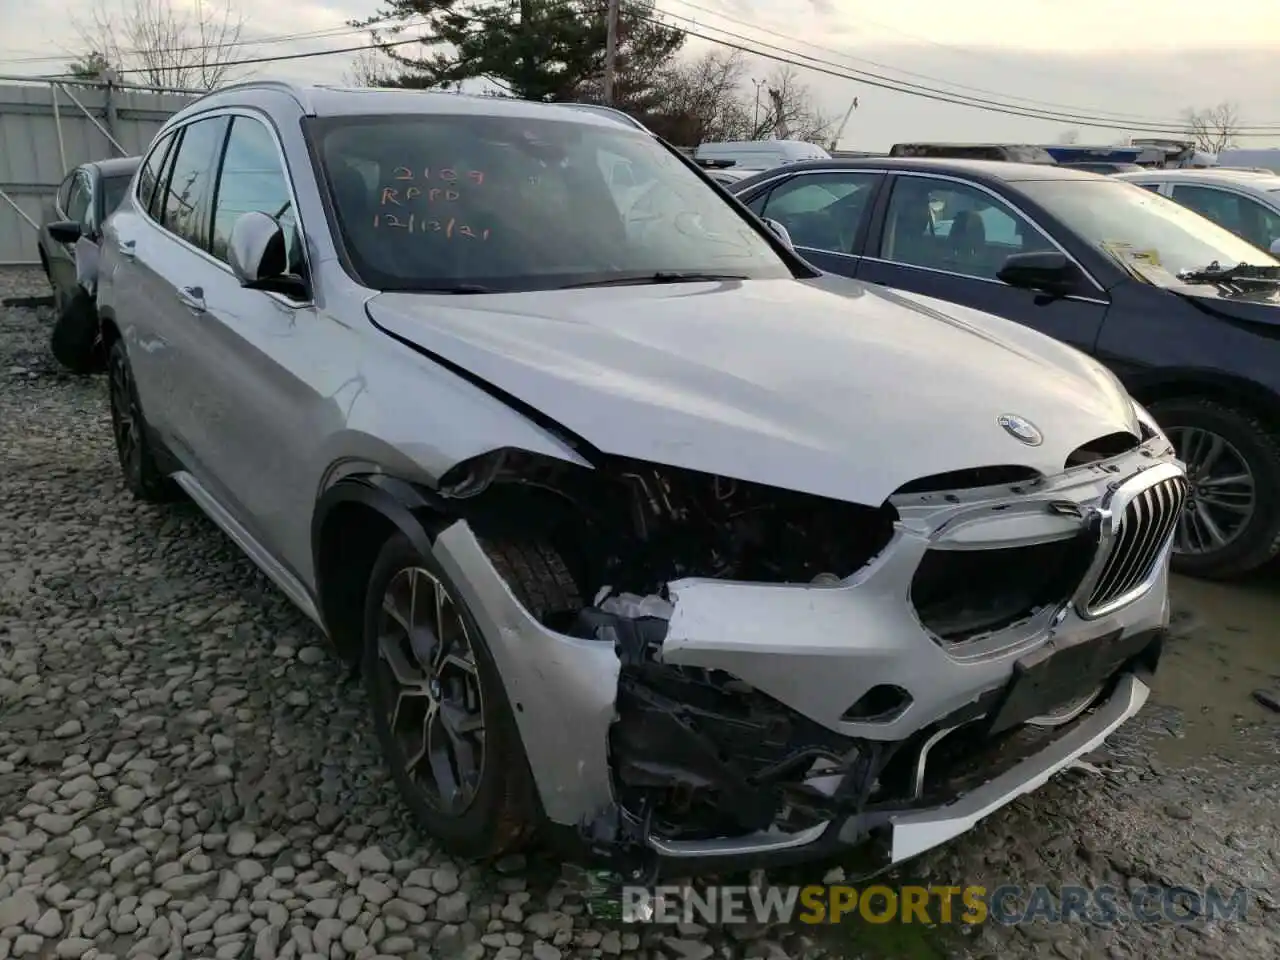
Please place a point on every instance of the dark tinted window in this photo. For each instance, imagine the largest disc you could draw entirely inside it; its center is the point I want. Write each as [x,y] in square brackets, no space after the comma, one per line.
[64,191]
[512,203]
[78,202]
[822,210]
[151,171]
[757,204]
[113,191]
[954,227]
[190,184]
[1244,217]
[158,198]
[252,178]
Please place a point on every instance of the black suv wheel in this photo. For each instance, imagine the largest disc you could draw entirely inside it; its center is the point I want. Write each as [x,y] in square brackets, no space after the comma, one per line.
[142,475]
[1231,523]
[75,342]
[440,708]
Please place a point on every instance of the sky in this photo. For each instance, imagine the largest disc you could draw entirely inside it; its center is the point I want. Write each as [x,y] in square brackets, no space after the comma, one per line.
[1123,66]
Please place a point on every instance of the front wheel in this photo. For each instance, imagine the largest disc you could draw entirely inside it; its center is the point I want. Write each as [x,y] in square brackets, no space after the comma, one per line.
[440,709]
[1231,522]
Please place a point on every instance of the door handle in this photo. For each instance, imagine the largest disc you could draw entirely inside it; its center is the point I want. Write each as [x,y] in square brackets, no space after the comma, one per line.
[192,298]
[127,248]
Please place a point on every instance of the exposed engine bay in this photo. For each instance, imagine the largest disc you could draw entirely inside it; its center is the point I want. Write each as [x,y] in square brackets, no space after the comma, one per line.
[635,527]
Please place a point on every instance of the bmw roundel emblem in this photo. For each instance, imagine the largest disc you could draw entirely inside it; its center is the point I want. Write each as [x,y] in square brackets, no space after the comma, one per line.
[1020,428]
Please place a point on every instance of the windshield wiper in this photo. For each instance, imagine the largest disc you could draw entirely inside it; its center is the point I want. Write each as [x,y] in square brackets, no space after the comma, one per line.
[661,276]
[454,288]
[1215,273]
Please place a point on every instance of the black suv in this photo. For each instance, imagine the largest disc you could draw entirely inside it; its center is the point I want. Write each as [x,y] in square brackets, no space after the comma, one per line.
[1185,313]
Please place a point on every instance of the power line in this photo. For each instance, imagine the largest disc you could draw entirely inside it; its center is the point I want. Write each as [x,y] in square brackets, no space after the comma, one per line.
[819,65]
[278,58]
[785,56]
[205,47]
[768,30]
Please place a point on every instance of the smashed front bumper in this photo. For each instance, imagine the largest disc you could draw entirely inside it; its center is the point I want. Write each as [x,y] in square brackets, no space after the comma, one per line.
[1070,672]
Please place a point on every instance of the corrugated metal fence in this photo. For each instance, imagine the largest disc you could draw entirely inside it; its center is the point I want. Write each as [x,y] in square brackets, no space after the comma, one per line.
[47,128]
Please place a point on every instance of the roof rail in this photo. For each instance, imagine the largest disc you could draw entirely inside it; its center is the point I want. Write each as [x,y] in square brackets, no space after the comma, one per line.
[297,91]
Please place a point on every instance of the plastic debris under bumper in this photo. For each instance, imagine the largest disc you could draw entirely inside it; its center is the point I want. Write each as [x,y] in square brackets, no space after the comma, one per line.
[915,832]
[909,833]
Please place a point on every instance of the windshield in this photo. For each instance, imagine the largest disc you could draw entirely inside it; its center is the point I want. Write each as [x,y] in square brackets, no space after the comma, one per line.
[1142,229]
[510,204]
[113,191]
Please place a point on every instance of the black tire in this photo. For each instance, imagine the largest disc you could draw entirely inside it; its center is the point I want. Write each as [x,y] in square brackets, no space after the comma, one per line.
[1258,540]
[76,342]
[142,476]
[504,814]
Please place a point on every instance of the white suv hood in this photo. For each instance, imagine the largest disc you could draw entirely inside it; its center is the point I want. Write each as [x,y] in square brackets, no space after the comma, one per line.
[824,387]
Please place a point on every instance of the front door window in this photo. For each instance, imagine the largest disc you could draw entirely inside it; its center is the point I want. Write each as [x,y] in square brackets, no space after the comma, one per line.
[950,226]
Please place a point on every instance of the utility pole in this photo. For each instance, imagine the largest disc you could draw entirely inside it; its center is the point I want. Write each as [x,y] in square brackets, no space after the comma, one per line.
[611,53]
[755,123]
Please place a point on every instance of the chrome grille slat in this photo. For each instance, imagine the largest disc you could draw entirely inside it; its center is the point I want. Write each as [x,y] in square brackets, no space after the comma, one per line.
[1133,569]
[1140,538]
[1165,517]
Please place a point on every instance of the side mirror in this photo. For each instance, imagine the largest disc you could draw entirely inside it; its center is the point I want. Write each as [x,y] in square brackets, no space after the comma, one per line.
[1046,272]
[257,250]
[65,231]
[781,231]
[1275,247]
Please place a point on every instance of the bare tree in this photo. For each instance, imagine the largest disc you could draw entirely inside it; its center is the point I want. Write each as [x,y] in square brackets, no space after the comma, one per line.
[166,43]
[371,69]
[710,98]
[1214,128]
[1068,137]
[701,100]
[791,113]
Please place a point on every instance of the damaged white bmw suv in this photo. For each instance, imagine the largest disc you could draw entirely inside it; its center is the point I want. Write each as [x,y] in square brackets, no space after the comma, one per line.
[644,534]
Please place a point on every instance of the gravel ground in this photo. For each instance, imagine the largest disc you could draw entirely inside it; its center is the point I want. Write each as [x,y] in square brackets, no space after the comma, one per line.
[185,772]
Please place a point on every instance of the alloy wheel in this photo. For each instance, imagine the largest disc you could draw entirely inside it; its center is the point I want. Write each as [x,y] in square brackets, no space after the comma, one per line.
[434,701]
[126,417]
[1222,496]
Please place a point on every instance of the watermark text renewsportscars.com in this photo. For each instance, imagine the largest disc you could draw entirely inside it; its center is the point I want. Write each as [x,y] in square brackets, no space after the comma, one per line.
[1007,904]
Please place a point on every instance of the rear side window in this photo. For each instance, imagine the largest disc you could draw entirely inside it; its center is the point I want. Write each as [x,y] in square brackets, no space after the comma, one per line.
[190,184]
[150,174]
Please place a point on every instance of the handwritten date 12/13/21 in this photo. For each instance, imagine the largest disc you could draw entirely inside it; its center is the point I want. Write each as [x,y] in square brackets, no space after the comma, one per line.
[449,227]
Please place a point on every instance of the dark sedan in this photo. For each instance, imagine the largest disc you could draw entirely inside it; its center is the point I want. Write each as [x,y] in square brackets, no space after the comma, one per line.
[85,198]
[1150,288]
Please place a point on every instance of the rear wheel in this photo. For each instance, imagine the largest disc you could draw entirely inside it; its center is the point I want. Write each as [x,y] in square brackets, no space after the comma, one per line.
[144,478]
[440,708]
[1231,522]
[75,342]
